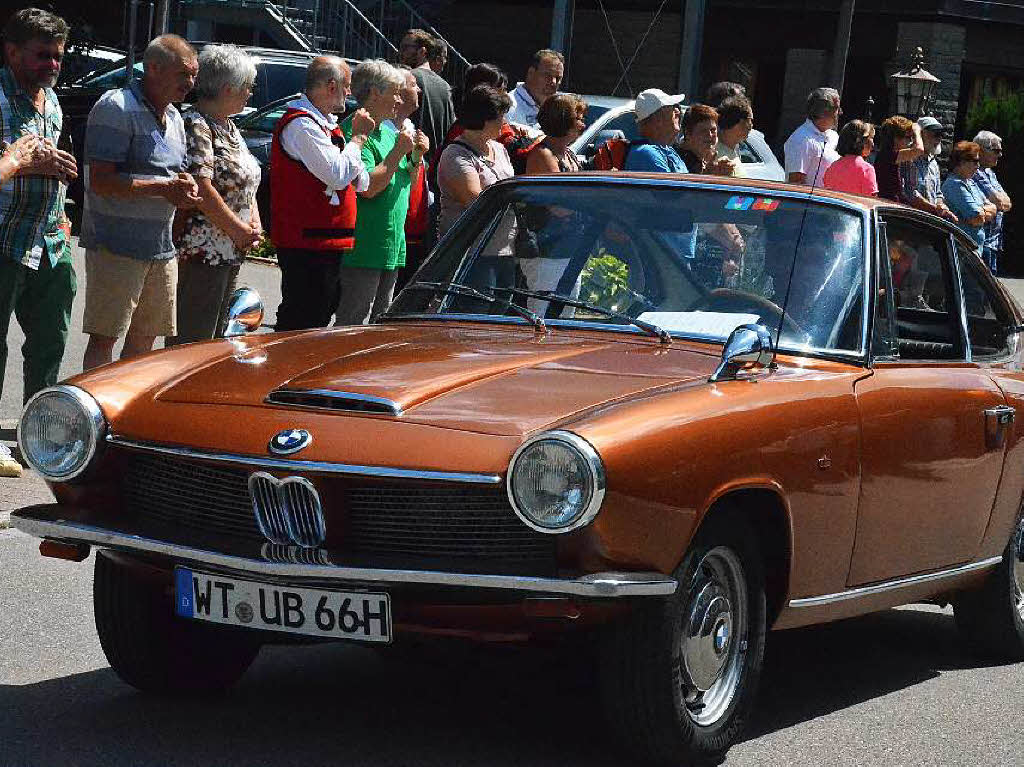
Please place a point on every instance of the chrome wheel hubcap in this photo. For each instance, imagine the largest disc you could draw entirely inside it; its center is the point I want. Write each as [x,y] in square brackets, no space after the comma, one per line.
[1018,569]
[713,638]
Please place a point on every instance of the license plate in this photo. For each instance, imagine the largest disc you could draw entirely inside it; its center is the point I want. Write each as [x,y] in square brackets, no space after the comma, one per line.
[340,614]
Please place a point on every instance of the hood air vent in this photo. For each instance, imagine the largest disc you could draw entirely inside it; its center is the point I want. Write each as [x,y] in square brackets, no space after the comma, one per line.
[325,399]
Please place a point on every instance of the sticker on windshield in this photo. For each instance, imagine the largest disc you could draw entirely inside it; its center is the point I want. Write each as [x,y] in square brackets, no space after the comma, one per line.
[739,202]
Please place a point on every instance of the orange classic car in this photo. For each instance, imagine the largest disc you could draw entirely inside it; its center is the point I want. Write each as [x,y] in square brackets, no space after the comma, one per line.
[675,412]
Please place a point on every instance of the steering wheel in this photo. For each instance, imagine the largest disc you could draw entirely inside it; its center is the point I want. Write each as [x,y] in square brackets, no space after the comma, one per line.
[738,301]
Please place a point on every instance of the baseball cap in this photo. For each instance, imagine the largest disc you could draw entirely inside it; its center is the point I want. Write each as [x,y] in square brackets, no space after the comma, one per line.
[929,123]
[653,99]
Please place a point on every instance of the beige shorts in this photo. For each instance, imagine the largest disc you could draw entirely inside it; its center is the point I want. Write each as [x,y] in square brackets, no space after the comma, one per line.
[122,292]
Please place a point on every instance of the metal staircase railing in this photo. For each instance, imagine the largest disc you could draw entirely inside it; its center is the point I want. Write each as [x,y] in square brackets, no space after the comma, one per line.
[375,30]
[359,30]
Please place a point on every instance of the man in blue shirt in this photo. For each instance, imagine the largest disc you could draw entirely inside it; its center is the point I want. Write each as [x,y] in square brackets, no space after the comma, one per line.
[658,121]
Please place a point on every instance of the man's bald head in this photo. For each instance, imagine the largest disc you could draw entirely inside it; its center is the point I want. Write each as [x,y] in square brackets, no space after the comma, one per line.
[171,66]
[328,83]
[167,51]
[323,69]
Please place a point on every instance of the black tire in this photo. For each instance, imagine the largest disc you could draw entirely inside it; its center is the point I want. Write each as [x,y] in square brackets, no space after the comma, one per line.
[991,618]
[155,651]
[644,674]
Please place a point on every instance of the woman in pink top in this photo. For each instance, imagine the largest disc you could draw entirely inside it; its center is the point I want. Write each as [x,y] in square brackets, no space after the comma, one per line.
[851,172]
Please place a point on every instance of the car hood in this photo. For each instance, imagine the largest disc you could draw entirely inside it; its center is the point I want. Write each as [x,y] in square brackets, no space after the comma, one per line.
[497,380]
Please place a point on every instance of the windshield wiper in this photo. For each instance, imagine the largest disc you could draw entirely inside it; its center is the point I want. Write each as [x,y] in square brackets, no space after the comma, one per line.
[455,289]
[550,295]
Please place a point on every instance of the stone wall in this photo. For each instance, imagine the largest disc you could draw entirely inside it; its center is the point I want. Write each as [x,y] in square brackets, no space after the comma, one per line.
[944,46]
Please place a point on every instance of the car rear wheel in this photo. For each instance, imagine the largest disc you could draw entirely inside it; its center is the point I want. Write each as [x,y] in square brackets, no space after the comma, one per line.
[679,677]
[155,651]
[991,617]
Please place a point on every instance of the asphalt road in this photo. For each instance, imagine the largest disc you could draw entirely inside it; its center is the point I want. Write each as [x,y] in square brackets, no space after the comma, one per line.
[889,689]
[894,688]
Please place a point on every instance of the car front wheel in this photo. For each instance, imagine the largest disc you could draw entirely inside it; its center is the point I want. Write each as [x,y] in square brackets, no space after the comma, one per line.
[152,649]
[680,677]
[991,617]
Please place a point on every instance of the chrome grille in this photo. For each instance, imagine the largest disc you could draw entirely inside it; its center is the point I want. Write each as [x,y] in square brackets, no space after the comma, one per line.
[287,510]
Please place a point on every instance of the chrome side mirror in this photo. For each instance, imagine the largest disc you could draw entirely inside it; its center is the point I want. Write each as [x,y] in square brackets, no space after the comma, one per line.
[748,347]
[245,312]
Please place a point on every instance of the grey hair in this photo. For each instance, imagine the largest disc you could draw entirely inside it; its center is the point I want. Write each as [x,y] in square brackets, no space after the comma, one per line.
[166,51]
[224,65]
[820,101]
[375,73]
[986,139]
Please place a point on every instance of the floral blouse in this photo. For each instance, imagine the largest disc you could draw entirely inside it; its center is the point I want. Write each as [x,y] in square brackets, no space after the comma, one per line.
[218,152]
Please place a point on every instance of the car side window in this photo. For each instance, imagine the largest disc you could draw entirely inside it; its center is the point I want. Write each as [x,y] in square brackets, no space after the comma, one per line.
[925,300]
[625,122]
[747,153]
[988,316]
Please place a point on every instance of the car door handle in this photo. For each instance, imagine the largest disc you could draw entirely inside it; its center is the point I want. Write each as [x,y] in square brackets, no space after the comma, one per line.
[1001,414]
[998,421]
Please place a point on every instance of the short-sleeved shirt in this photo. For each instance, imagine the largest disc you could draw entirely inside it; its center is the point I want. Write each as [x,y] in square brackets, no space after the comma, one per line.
[123,129]
[732,154]
[460,159]
[659,158]
[655,158]
[810,151]
[31,207]
[217,151]
[380,220]
[851,173]
[922,176]
[989,185]
[966,200]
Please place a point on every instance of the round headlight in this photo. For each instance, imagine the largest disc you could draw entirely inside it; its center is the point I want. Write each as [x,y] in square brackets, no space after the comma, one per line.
[60,431]
[556,482]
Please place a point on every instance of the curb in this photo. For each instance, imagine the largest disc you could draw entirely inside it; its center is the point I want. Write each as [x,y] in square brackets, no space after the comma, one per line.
[8,429]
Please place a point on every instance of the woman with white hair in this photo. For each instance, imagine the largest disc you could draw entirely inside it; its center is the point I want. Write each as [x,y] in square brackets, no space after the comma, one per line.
[369,270]
[213,239]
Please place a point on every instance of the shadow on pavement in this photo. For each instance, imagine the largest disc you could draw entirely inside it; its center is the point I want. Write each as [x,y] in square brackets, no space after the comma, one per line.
[815,671]
[336,704]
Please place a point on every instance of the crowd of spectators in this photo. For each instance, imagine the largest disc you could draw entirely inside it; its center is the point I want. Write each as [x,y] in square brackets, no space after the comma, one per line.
[170,212]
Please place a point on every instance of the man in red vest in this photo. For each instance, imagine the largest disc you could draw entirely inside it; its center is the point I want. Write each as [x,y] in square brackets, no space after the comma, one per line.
[314,177]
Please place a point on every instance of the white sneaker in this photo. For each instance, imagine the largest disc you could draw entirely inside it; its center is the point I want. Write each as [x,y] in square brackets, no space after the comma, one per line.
[8,466]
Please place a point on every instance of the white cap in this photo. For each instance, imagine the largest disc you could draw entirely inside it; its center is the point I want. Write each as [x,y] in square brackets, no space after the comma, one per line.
[653,99]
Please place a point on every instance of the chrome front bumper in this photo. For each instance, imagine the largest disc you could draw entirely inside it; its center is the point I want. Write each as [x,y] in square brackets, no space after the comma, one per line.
[596,585]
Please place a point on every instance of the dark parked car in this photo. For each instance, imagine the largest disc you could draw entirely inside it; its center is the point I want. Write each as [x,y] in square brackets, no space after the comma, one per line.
[278,73]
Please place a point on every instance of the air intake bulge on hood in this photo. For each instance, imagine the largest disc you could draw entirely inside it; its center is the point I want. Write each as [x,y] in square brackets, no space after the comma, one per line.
[326,399]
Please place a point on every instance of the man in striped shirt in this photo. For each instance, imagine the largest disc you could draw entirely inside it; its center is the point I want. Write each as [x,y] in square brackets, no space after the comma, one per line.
[37,279]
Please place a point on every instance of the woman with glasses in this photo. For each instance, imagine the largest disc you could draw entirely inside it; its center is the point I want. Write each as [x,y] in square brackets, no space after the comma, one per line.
[963,196]
[213,239]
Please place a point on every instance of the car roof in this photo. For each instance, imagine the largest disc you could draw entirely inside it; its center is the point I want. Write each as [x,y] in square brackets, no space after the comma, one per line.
[609,102]
[757,185]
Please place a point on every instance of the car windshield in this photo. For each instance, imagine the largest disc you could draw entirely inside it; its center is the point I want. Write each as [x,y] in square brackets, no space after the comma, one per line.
[111,78]
[694,262]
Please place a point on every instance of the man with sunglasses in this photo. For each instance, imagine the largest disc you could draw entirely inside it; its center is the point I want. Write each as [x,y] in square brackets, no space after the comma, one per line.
[985,177]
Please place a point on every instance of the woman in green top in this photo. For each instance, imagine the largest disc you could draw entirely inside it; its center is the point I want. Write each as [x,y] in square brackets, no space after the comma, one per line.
[369,270]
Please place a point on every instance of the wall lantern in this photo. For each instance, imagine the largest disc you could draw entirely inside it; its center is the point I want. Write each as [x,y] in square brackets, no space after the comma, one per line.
[913,89]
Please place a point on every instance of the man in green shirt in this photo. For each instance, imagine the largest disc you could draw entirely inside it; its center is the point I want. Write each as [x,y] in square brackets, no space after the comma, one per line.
[369,270]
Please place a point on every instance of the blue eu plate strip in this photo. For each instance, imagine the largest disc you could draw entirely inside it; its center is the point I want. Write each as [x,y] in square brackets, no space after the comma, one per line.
[183,592]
